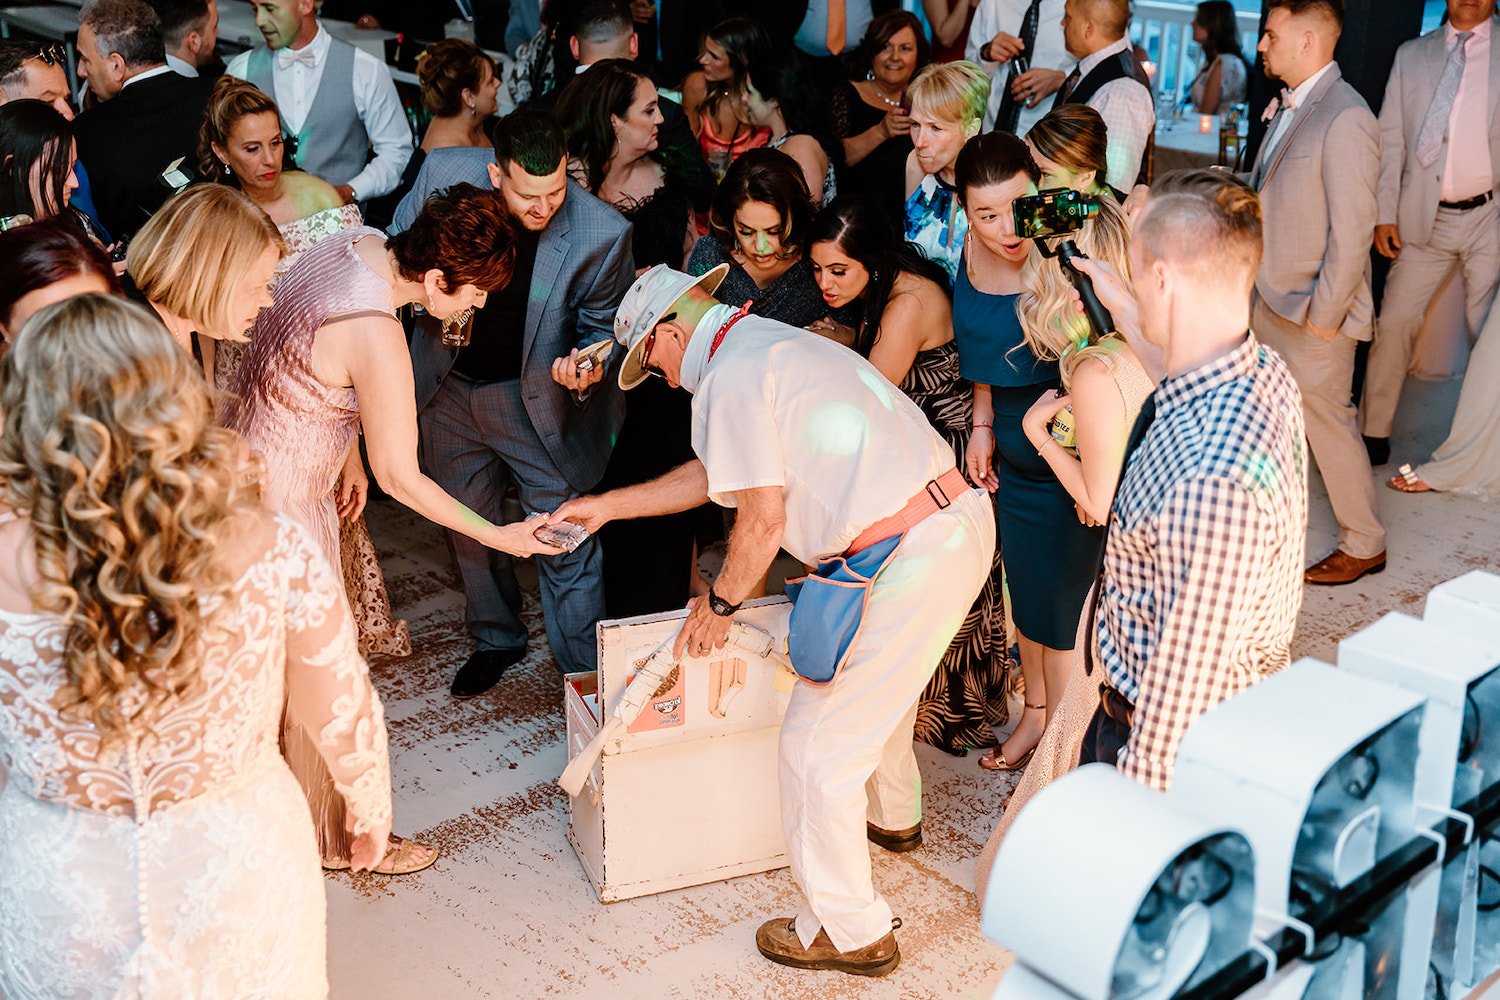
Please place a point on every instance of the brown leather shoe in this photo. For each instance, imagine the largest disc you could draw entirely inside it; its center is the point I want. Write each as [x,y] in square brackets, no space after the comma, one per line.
[1340,567]
[777,940]
[895,841]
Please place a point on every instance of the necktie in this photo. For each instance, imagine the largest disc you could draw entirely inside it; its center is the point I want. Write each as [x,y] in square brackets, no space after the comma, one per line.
[1010,108]
[837,26]
[1430,139]
[1067,89]
[1137,435]
[288,57]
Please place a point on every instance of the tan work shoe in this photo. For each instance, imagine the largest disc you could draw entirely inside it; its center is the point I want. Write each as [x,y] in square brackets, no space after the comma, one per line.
[1341,567]
[777,940]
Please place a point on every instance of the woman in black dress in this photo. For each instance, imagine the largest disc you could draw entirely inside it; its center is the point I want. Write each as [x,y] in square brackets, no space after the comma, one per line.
[758,225]
[611,119]
[870,116]
[903,325]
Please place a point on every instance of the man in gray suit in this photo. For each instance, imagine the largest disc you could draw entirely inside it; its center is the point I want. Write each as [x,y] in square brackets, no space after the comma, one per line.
[1316,174]
[1440,150]
[511,405]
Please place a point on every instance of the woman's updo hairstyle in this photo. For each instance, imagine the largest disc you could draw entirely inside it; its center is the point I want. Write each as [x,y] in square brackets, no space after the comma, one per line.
[445,70]
[992,158]
[1075,138]
[230,101]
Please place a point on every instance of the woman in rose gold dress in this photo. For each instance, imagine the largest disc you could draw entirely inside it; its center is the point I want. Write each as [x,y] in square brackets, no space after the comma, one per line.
[328,357]
[240,145]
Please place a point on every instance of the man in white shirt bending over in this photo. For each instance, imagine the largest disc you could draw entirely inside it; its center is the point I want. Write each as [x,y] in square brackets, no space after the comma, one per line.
[821,456]
[338,102]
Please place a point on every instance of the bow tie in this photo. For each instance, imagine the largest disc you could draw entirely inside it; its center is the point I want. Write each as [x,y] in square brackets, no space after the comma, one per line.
[1288,103]
[305,55]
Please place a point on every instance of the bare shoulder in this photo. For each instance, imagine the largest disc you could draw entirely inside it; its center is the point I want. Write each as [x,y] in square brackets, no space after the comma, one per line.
[922,309]
[913,173]
[922,293]
[1093,385]
[310,192]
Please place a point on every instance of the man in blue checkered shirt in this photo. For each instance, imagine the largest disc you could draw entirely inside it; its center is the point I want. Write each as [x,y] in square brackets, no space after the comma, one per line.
[1201,579]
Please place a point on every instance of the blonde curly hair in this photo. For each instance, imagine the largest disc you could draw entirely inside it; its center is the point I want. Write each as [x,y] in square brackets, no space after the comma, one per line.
[108,445]
[1050,322]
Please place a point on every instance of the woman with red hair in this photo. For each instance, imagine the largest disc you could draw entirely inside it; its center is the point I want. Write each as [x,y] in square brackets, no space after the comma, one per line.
[46,262]
[328,357]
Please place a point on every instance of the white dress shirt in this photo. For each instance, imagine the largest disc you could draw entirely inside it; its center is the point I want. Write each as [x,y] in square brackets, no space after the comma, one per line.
[1128,114]
[375,99]
[1288,112]
[181,66]
[1467,169]
[148,74]
[994,16]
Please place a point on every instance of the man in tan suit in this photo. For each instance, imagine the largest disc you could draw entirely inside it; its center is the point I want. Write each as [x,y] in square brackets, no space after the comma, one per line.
[1440,150]
[1317,173]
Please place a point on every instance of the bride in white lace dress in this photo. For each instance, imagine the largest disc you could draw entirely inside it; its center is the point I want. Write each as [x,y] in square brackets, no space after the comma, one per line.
[153,621]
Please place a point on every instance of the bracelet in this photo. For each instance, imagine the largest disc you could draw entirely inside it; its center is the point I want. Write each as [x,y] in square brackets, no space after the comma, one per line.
[1050,440]
[982,423]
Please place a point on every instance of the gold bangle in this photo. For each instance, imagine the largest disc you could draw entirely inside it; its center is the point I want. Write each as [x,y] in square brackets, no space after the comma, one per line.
[1050,440]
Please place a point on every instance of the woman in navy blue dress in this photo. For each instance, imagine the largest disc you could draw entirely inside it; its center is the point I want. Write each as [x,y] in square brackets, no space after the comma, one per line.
[1050,556]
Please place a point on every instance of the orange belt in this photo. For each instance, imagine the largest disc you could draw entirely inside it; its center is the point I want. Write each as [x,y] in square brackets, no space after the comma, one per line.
[935,496]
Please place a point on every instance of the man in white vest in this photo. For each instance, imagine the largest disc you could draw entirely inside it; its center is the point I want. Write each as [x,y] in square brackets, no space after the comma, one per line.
[819,455]
[337,102]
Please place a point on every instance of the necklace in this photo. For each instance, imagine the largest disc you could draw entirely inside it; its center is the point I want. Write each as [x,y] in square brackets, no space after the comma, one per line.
[881,94]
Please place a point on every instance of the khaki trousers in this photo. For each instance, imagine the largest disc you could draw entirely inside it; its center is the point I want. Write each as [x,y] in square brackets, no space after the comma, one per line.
[1470,240]
[1324,372]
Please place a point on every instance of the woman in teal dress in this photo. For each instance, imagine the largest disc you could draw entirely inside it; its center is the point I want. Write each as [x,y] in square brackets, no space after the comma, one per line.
[1050,556]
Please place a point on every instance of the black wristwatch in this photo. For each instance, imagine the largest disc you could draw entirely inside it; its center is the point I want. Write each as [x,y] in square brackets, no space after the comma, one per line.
[719,606]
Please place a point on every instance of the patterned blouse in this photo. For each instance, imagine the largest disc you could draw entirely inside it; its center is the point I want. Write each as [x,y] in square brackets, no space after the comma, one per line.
[936,223]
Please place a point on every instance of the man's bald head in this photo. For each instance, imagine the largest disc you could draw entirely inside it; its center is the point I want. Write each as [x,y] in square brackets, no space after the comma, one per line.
[1090,25]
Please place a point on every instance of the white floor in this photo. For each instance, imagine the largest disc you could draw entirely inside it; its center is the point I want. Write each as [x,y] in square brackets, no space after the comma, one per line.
[508,913]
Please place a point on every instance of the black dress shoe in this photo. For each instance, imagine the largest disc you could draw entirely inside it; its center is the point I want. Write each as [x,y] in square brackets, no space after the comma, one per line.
[1379,449]
[895,841]
[482,671]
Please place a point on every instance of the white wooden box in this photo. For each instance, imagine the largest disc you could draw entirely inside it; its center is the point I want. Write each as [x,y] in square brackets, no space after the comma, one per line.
[689,794]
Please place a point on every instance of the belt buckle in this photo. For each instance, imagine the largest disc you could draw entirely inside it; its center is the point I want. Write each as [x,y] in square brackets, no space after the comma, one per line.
[935,491]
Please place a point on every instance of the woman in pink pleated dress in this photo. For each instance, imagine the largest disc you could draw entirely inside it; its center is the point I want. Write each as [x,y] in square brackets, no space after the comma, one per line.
[329,357]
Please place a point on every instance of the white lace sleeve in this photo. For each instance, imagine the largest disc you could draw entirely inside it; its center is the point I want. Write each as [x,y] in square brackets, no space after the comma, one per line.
[328,683]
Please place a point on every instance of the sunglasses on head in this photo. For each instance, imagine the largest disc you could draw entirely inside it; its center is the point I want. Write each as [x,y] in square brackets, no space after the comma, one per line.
[52,55]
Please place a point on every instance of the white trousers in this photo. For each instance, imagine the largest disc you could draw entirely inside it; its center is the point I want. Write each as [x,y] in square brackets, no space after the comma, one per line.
[846,749]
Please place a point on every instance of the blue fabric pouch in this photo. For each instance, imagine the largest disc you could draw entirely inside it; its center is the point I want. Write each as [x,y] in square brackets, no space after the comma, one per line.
[828,606]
